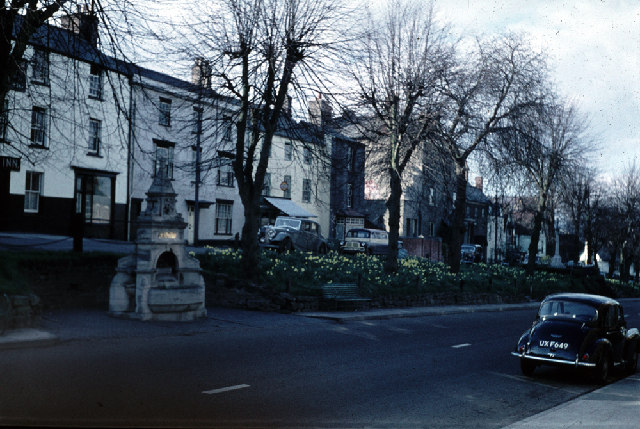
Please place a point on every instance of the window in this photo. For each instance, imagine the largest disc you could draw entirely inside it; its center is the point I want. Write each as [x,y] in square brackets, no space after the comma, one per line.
[95,136]
[40,67]
[163,161]
[19,80]
[306,190]
[32,191]
[95,82]
[225,174]
[351,158]
[288,151]
[197,120]
[266,188]
[432,229]
[38,126]
[432,196]
[308,158]
[286,187]
[349,195]
[165,112]
[412,227]
[224,213]
[4,121]
[226,129]
[94,197]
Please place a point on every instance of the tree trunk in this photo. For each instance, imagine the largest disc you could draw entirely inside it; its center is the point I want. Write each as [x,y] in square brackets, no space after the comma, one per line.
[612,261]
[393,205]
[535,233]
[249,240]
[458,227]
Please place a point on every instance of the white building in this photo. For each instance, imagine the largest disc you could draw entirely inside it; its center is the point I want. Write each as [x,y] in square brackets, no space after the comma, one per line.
[83,136]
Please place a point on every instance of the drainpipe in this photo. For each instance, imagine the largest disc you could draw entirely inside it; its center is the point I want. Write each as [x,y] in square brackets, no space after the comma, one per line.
[130,157]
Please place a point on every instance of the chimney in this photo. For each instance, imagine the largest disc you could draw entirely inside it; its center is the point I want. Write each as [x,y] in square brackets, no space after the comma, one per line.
[201,73]
[84,23]
[320,111]
[479,182]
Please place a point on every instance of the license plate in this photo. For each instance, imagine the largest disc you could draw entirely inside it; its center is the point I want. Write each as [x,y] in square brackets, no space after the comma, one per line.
[554,344]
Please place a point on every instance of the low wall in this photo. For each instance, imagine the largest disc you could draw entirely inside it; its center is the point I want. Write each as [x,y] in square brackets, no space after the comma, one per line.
[25,311]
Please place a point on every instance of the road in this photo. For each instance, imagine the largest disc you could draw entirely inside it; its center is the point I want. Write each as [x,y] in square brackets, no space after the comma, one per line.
[245,369]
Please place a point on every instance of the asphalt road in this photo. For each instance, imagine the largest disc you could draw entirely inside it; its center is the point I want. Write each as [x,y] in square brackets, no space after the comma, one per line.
[244,369]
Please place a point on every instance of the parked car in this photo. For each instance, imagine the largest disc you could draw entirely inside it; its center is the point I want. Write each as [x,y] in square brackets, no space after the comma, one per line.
[363,240]
[574,330]
[291,233]
[470,253]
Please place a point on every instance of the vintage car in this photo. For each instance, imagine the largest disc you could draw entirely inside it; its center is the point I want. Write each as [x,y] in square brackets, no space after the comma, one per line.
[364,240]
[580,331]
[291,233]
[470,253]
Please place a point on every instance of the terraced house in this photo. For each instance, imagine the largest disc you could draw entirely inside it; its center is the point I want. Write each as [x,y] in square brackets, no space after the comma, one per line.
[83,135]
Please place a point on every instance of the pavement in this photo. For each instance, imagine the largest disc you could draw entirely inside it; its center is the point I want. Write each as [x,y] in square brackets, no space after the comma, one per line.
[616,405]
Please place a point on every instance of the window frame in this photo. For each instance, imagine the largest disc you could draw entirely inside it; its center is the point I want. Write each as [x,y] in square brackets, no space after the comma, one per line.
[38,127]
[162,145]
[288,150]
[164,112]
[306,190]
[224,220]
[96,82]
[34,194]
[266,185]
[40,67]
[95,137]
[4,122]
[287,193]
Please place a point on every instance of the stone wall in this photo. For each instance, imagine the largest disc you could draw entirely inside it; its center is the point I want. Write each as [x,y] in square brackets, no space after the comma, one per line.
[25,311]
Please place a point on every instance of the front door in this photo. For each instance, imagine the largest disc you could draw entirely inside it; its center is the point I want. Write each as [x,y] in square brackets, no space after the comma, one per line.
[5,186]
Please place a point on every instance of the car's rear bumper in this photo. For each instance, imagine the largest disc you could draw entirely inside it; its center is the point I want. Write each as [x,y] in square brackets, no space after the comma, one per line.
[553,361]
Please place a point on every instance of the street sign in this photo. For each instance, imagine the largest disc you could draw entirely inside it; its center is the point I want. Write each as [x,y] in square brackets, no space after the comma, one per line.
[9,163]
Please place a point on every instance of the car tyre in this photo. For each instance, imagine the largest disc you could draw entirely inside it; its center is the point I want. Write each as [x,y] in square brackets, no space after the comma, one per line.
[286,245]
[603,368]
[323,249]
[527,367]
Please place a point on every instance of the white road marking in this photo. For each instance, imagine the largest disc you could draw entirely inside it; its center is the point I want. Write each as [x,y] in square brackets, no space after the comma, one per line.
[225,389]
[459,346]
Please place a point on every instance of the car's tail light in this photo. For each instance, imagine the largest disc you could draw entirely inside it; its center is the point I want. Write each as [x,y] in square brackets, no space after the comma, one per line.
[521,348]
[585,357]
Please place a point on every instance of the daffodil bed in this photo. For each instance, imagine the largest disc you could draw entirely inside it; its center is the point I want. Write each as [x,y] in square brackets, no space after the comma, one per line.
[302,273]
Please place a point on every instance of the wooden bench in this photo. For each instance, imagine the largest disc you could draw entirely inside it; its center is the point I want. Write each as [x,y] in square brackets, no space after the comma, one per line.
[346,293]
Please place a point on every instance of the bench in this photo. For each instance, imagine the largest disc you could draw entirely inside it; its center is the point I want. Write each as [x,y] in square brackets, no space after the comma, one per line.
[343,293]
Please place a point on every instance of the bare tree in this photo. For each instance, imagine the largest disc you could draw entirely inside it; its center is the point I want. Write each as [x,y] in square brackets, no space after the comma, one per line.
[575,194]
[260,52]
[400,60]
[489,84]
[626,200]
[543,145]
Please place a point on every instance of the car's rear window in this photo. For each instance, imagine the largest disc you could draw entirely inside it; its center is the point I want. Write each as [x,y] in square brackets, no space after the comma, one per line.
[358,234]
[568,309]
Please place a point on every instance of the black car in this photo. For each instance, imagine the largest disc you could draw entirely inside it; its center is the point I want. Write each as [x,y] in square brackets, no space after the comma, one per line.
[579,331]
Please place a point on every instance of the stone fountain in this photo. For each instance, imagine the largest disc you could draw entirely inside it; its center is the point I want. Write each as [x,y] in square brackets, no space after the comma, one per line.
[160,280]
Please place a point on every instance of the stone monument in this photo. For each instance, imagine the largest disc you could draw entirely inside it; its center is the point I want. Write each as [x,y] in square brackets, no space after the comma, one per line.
[556,261]
[160,280]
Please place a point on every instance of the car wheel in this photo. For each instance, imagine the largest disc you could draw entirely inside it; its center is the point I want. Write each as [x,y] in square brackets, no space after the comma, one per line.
[632,360]
[527,367]
[603,367]
[323,249]
[286,245]
[368,251]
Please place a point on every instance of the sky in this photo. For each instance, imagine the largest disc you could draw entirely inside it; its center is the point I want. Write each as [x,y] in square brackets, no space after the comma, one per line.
[594,58]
